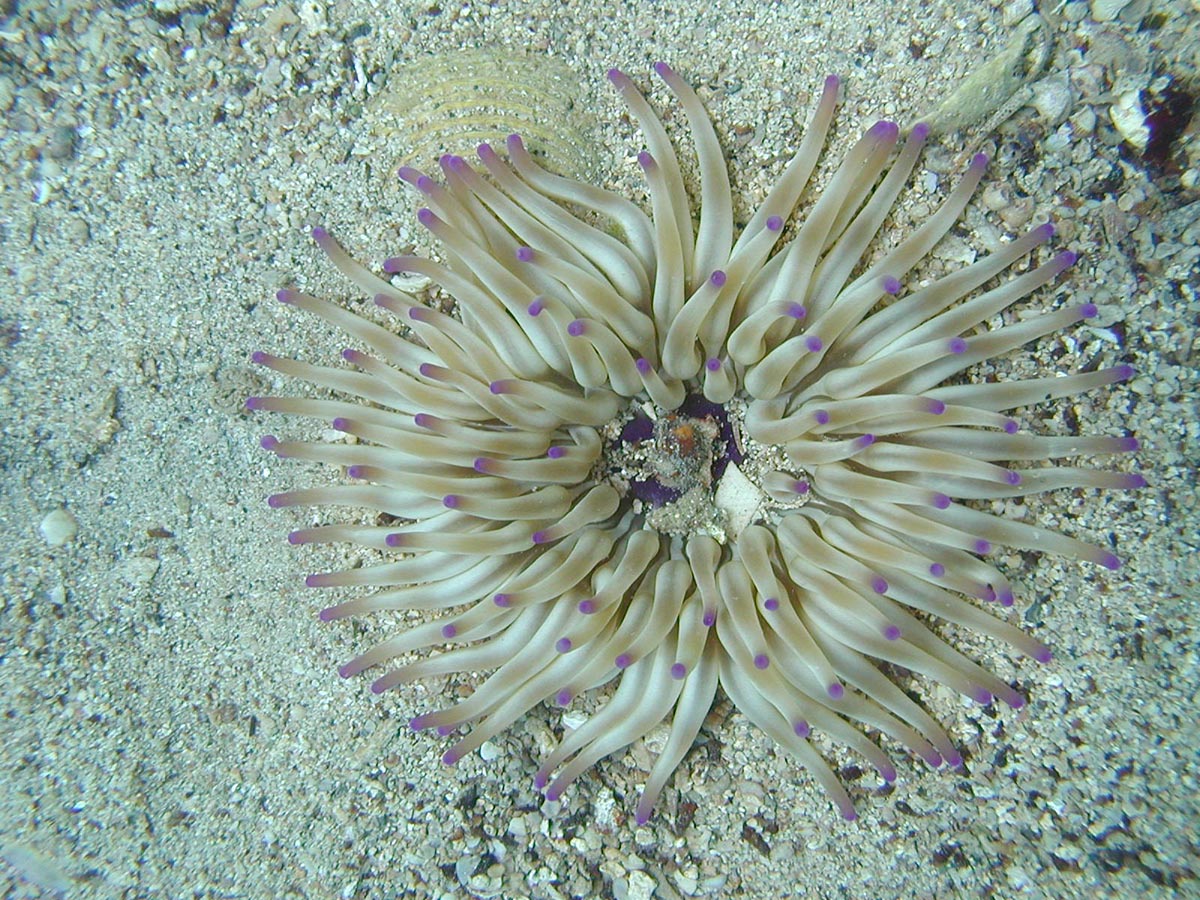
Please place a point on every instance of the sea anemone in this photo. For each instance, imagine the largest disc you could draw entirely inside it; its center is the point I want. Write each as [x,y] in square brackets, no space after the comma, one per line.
[618,447]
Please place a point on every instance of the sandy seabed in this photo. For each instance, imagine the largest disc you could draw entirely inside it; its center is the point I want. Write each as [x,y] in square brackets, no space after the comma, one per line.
[172,723]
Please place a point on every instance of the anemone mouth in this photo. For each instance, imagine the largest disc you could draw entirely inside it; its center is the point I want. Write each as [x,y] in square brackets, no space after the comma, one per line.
[681,458]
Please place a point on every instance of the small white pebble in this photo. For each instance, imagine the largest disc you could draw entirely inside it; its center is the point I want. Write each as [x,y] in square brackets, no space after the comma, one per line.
[1052,98]
[641,886]
[1014,11]
[488,751]
[58,527]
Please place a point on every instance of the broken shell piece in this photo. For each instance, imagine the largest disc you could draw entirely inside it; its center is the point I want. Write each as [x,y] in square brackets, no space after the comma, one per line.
[1130,120]
[739,498]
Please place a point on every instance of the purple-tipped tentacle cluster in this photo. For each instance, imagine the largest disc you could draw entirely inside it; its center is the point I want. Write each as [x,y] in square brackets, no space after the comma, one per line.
[537,449]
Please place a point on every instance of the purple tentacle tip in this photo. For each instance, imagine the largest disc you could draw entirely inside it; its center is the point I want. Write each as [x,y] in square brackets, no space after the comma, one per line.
[678,671]
[761,661]
[836,691]
[884,130]
[710,618]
